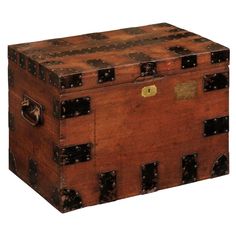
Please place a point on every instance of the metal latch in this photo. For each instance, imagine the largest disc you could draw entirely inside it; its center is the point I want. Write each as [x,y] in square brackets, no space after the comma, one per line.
[148,69]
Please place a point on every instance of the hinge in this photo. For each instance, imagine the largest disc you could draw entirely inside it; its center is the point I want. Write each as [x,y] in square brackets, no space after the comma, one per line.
[71,108]
[216,81]
[220,56]
[66,199]
[220,167]
[189,168]
[33,173]
[149,177]
[72,154]
[215,126]
[107,182]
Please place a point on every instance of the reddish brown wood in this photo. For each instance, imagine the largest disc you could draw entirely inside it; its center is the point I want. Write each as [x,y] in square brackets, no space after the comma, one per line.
[126,130]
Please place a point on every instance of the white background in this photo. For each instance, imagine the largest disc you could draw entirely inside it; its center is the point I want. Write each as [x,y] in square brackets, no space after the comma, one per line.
[204,208]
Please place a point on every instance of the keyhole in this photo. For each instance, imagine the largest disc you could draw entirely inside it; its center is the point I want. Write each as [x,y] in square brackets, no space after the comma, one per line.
[149,90]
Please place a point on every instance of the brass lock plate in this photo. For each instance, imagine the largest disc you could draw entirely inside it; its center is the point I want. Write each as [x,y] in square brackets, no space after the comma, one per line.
[149,91]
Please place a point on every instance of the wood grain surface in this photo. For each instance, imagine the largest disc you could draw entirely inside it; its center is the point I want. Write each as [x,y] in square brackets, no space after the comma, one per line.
[126,129]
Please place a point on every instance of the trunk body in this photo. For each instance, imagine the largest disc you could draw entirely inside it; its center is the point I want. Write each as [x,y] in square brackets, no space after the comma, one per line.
[104,116]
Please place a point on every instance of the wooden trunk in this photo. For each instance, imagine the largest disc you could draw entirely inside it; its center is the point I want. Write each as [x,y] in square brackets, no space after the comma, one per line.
[104,116]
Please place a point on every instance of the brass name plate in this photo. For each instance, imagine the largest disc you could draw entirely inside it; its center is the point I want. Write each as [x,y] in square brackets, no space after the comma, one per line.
[149,91]
[185,91]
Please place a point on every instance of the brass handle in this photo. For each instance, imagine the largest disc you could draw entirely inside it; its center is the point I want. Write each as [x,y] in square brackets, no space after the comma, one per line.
[31,111]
